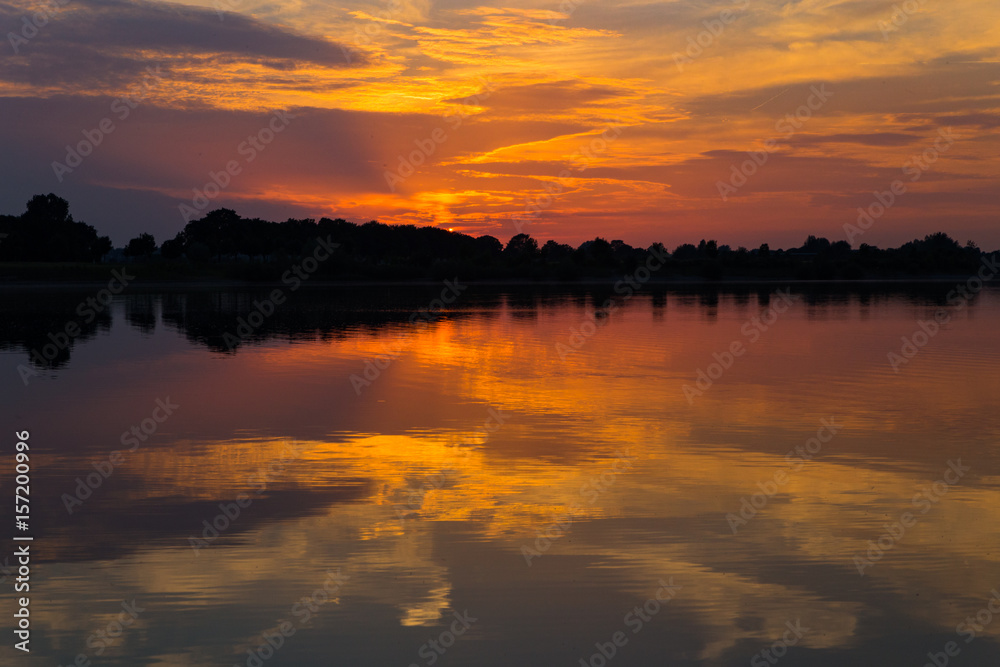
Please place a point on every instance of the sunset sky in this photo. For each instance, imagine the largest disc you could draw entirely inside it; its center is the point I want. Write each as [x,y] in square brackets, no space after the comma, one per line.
[630,113]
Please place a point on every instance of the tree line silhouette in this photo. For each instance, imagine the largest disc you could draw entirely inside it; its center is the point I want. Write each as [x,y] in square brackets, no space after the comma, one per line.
[224,244]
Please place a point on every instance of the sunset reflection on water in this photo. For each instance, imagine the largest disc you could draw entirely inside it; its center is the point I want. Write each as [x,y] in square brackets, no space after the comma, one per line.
[480,471]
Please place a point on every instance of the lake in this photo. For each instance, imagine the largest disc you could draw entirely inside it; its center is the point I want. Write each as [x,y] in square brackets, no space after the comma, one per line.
[466,475]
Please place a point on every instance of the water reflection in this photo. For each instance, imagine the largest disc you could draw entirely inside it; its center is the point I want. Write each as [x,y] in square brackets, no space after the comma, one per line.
[478,470]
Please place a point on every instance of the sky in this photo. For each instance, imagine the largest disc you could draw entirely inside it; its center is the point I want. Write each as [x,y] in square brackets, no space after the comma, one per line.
[747,121]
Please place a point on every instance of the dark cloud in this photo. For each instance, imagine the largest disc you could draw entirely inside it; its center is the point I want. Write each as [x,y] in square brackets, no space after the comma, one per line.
[88,42]
[867,139]
[932,90]
[543,97]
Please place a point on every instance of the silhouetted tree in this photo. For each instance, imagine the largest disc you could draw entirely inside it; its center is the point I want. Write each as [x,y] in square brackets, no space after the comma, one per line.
[621,250]
[658,248]
[490,245]
[685,251]
[46,232]
[553,251]
[521,248]
[47,209]
[708,249]
[260,249]
[815,245]
[598,252]
[173,248]
[840,249]
[101,247]
[144,245]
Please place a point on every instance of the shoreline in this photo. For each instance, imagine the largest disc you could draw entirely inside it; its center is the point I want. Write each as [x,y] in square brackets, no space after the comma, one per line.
[681,282]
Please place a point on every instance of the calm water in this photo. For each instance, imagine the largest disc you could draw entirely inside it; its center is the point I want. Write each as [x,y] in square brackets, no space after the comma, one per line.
[503,491]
